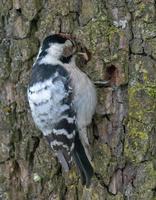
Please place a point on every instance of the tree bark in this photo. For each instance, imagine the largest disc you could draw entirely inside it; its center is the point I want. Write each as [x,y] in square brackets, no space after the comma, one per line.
[122,38]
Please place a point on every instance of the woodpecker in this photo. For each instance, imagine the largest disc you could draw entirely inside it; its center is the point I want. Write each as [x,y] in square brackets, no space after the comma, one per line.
[62,100]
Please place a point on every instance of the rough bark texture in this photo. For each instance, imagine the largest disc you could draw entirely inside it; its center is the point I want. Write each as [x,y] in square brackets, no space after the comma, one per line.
[122,38]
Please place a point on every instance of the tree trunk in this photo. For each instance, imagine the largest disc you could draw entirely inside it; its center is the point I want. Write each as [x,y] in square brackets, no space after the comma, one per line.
[122,38]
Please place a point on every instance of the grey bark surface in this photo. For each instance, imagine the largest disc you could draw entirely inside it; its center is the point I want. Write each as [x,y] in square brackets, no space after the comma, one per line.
[122,38]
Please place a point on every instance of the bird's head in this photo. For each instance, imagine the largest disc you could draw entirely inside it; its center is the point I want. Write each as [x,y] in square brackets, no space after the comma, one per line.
[65,45]
[58,45]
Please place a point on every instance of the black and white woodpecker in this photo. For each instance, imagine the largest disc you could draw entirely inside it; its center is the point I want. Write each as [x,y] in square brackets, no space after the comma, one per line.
[62,100]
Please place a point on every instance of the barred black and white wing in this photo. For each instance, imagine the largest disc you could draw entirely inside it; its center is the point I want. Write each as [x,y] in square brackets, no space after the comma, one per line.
[50,99]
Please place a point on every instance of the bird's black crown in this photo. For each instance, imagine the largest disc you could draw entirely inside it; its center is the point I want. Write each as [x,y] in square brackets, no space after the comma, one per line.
[56,38]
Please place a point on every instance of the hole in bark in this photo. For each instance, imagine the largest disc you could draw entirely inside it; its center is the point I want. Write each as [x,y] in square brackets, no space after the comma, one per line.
[111,74]
[19,11]
[110,71]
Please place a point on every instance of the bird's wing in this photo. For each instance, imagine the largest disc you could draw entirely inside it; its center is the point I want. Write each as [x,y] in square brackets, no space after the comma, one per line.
[50,98]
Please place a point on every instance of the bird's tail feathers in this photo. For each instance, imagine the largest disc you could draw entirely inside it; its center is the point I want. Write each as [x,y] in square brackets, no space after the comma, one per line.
[84,166]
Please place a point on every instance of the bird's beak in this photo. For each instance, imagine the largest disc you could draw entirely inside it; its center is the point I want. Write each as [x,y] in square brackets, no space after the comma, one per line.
[84,55]
[83,51]
[68,37]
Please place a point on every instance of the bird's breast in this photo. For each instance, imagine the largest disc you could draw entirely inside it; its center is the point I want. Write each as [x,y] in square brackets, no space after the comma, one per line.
[84,97]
